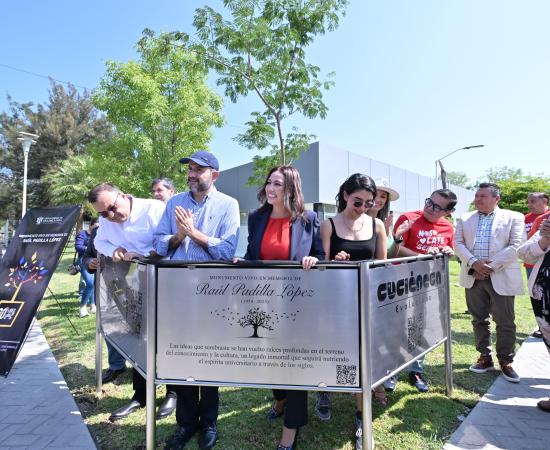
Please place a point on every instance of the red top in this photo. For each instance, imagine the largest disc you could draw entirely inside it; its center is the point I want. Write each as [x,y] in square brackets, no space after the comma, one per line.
[276,240]
[532,225]
[425,234]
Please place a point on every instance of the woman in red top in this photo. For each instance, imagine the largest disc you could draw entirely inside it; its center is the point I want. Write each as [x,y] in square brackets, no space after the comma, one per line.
[281,229]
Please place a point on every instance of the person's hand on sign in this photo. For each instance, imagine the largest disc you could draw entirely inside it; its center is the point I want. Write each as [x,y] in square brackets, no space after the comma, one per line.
[118,254]
[308,262]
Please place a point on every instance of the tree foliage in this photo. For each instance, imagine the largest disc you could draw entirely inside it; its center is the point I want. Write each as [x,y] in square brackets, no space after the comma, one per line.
[162,110]
[261,50]
[516,186]
[459,179]
[66,124]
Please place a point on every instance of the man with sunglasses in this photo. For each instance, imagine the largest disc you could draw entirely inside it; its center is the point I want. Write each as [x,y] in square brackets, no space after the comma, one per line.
[199,225]
[126,231]
[486,241]
[429,232]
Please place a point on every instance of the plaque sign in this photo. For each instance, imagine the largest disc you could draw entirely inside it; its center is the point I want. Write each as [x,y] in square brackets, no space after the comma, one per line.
[259,326]
[122,287]
[408,309]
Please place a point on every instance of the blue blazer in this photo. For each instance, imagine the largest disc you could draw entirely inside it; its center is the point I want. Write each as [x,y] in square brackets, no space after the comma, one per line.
[305,237]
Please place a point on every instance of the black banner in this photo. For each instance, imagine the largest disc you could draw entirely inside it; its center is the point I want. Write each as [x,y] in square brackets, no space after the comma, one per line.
[25,271]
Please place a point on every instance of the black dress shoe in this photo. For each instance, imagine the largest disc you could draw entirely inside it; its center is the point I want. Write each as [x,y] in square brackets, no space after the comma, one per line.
[125,411]
[111,375]
[167,407]
[208,437]
[181,437]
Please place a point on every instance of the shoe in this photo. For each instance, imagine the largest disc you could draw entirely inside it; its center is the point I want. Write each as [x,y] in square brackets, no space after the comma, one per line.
[390,383]
[125,411]
[208,437]
[544,405]
[93,309]
[111,375]
[359,434]
[380,396]
[416,379]
[83,311]
[322,407]
[509,373]
[537,334]
[273,413]
[181,437]
[167,407]
[483,364]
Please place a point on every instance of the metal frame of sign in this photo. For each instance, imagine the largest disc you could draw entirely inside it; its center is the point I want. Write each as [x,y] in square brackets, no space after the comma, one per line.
[367,382]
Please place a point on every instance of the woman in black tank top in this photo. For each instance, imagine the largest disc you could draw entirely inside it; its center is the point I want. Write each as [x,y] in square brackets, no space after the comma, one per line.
[354,236]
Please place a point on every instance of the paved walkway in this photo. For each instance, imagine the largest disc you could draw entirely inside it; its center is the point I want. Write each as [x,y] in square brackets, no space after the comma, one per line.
[507,416]
[37,411]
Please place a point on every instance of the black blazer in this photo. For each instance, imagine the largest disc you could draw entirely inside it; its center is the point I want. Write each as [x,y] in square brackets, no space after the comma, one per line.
[305,236]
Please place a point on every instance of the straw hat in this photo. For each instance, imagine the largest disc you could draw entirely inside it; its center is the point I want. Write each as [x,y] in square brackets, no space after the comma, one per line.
[382,185]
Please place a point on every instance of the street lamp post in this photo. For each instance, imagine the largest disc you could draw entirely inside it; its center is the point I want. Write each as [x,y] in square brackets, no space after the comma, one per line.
[26,140]
[443,173]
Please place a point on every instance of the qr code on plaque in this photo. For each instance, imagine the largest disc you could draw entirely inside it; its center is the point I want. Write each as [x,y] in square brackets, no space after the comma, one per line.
[415,326]
[346,374]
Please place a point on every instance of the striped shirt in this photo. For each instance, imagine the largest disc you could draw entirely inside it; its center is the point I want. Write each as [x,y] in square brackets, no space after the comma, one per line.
[483,235]
[217,216]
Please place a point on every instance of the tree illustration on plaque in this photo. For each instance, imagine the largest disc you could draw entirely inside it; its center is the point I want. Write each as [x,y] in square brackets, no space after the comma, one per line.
[255,318]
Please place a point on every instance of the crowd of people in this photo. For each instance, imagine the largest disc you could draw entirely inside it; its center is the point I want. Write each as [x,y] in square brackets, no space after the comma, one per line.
[202,224]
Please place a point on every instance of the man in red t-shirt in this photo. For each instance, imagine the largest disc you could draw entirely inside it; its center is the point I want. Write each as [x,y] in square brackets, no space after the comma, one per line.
[429,232]
[537,203]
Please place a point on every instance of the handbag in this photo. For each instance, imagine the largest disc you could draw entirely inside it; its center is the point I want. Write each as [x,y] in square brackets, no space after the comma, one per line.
[74,268]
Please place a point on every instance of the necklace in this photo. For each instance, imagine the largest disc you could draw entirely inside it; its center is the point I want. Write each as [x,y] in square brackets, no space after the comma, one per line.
[351,228]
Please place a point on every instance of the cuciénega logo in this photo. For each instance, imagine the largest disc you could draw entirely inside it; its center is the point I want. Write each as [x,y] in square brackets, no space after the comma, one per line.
[404,286]
[44,220]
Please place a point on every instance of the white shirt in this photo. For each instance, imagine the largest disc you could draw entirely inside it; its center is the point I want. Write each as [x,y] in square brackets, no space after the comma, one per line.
[135,234]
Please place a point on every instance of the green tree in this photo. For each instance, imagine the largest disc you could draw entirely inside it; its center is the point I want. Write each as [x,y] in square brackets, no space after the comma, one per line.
[66,124]
[162,110]
[459,179]
[516,186]
[262,51]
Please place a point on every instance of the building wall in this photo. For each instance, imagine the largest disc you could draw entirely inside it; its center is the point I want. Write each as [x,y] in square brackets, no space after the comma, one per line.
[324,168]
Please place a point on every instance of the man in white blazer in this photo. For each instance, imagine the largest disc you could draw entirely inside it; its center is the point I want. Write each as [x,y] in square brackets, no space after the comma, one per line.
[486,241]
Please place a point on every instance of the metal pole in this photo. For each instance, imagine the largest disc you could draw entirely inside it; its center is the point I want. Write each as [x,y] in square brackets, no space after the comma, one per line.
[24,207]
[448,354]
[151,303]
[366,379]
[98,334]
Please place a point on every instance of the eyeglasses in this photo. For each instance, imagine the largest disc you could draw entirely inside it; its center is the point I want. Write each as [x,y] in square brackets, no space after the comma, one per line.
[435,207]
[111,209]
[367,203]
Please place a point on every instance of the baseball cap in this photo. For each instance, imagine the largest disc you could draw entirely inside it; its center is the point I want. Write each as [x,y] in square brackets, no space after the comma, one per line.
[203,158]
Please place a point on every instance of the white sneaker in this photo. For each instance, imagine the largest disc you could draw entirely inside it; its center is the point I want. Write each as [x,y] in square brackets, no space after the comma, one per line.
[83,311]
[93,309]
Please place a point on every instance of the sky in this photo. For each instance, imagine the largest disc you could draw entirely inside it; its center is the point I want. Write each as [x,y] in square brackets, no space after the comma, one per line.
[415,79]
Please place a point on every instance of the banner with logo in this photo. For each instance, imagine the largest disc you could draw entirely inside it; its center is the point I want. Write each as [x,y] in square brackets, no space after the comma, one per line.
[25,271]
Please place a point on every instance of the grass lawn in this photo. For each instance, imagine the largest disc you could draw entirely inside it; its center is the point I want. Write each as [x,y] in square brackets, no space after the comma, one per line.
[410,421]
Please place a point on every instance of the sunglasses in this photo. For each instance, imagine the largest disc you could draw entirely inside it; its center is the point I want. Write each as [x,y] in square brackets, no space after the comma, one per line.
[435,207]
[111,209]
[368,203]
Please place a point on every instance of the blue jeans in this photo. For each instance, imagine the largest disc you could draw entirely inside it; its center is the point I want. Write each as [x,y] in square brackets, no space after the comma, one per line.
[116,360]
[528,271]
[87,296]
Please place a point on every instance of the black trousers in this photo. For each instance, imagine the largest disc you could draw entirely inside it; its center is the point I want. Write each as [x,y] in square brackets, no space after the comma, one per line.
[197,405]
[296,407]
[140,387]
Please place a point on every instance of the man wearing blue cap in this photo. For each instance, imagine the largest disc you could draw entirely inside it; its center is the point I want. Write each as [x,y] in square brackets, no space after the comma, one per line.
[199,225]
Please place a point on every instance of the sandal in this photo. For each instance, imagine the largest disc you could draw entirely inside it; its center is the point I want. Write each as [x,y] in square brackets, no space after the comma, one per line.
[380,397]
[273,413]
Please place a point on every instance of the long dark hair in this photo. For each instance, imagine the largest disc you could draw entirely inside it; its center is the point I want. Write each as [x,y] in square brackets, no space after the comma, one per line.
[293,196]
[356,182]
[385,210]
